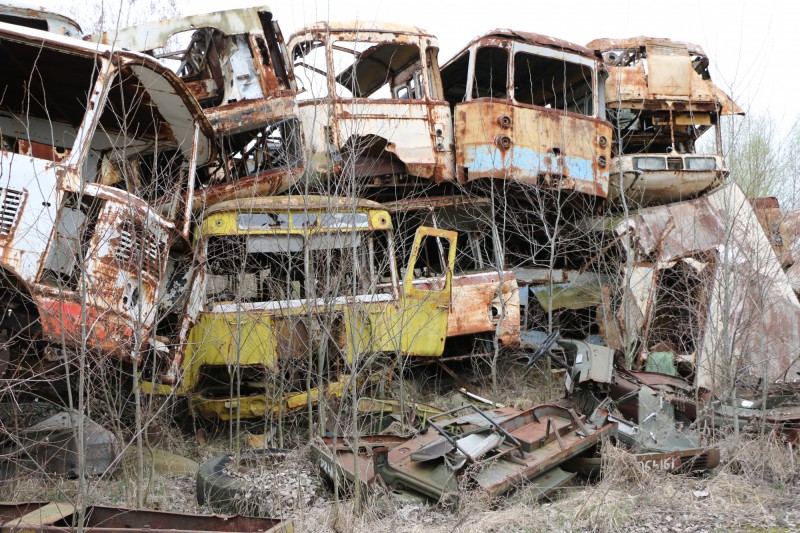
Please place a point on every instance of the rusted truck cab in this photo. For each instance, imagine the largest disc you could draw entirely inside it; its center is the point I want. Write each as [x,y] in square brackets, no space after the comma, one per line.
[98,148]
[651,179]
[299,293]
[235,63]
[660,98]
[371,103]
[529,109]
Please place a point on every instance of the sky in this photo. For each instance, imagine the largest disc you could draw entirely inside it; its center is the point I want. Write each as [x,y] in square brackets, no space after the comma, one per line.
[750,43]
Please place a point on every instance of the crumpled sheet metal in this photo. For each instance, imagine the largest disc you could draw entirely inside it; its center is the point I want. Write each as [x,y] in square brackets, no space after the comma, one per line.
[751,316]
[52,446]
[58,517]
[532,445]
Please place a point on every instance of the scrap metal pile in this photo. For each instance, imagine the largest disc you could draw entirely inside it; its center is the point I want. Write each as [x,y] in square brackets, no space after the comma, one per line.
[257,225]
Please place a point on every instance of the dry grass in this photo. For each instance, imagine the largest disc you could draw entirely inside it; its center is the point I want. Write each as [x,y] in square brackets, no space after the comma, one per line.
[756,486]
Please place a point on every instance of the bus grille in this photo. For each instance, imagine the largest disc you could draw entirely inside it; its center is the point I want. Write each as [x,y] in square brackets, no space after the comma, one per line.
[10,203]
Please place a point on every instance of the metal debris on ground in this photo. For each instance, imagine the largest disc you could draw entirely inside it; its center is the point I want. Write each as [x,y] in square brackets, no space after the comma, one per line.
[494,451]
[55,517]
[52,446]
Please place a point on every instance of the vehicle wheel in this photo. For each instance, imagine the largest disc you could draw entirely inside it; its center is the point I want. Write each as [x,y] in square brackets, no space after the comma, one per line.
[226,493]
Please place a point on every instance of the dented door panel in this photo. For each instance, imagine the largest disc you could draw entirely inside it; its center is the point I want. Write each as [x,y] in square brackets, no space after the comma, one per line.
[482,302]
[419,134]
[426,308]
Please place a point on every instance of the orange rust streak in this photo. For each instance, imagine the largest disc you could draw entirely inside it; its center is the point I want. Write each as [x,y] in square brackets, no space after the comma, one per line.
[62,321]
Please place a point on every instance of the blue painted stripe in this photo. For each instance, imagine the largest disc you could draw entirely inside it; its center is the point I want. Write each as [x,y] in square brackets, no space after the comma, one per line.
[487,158]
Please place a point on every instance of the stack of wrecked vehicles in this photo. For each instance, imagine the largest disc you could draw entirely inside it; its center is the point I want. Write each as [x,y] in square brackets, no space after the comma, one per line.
[261,228]
[301,285]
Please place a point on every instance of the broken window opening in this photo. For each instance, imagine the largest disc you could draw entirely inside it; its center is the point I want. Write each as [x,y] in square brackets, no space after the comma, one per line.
[383,70]
[187,53]
[455,78]
[431,263]
[311,70]
[553,83]
[196,57]
[263,268]
[491,73]
[44,99]
[36,24]
[130,148]
[677,306]
[277,146]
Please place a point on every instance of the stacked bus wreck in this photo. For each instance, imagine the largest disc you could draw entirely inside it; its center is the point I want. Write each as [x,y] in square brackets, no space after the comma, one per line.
[302,286]
[477,305]
[532,139]
[661,99]
[529,109]
[697,290]
[372,108]
[95,181]
[199,208]
[236,66]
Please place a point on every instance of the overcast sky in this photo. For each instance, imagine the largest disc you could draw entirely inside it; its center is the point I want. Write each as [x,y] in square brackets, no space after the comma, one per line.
[751,43]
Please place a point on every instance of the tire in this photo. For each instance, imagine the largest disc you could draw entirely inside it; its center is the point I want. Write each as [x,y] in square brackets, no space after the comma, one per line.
[225,493]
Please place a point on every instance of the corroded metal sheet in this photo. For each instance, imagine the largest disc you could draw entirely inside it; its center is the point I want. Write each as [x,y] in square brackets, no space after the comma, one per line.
[782,230]
[520,448]
[749,316]
[481,303]
[55,517]
[669,82]
[536,146]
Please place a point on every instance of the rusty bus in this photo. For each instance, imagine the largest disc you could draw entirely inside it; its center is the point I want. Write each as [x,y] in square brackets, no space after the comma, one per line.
[530,109]
[98,148]
[661,99]
[371,103]
[235,63]
[33,16]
